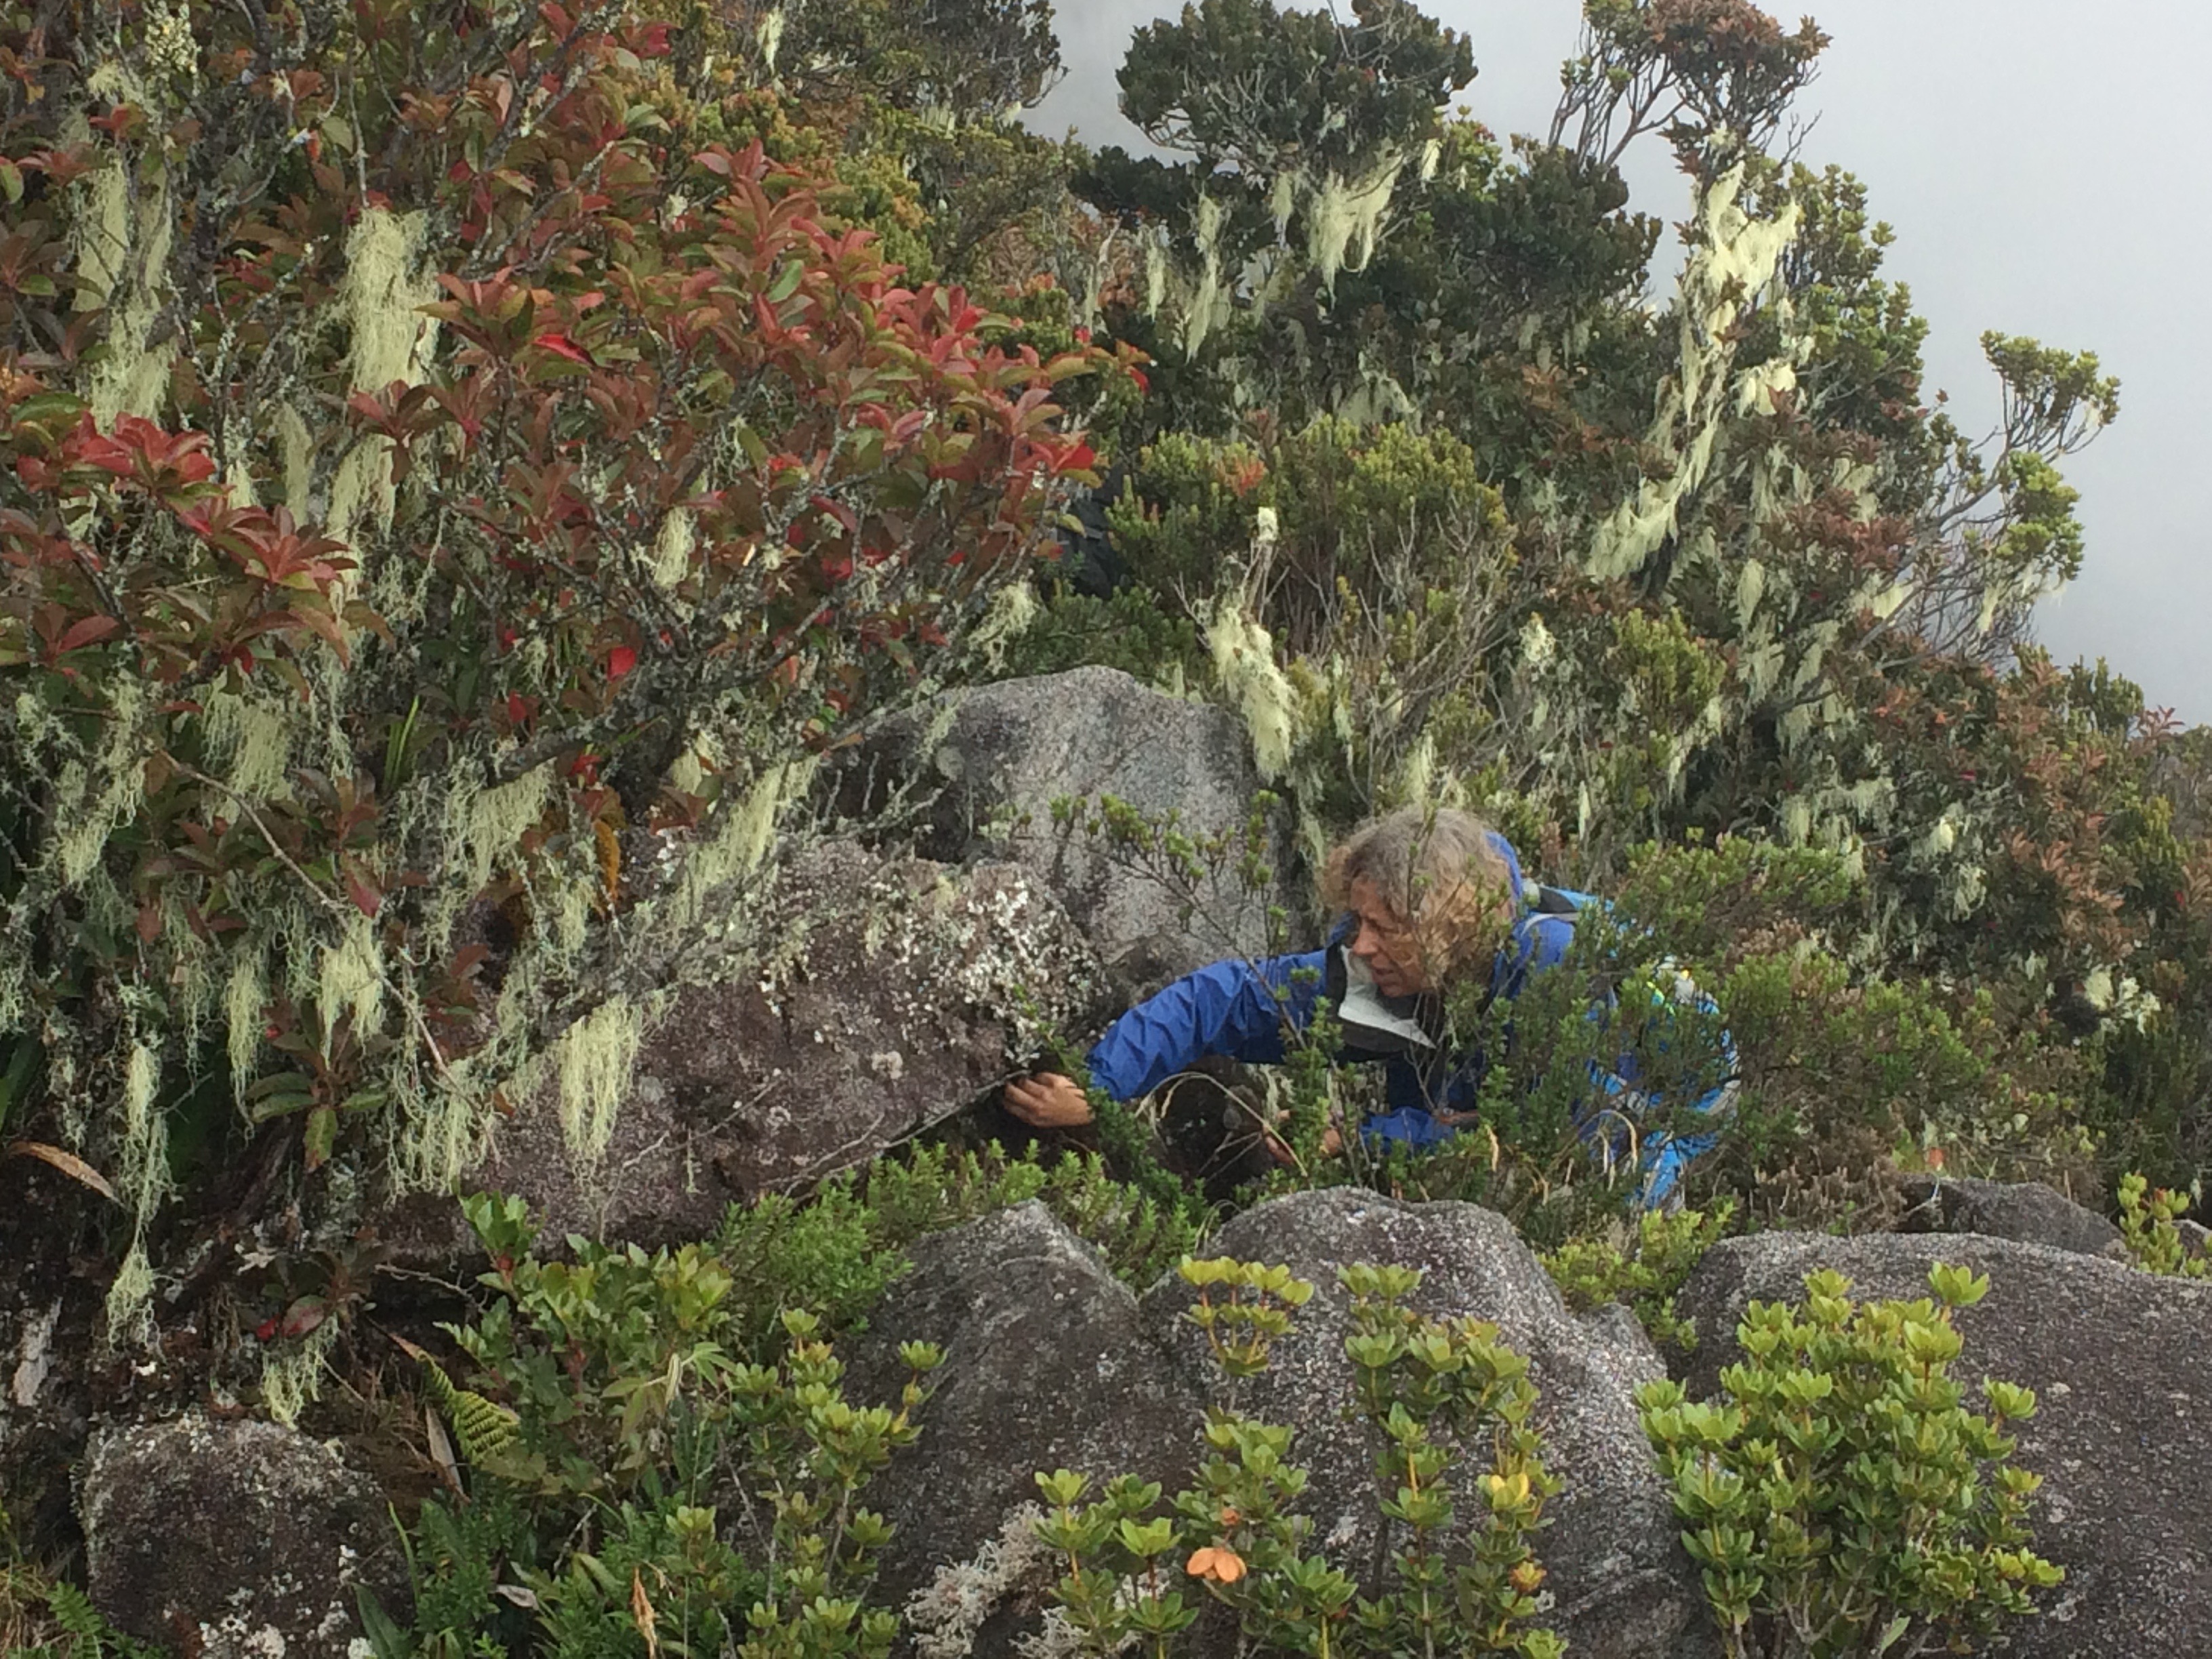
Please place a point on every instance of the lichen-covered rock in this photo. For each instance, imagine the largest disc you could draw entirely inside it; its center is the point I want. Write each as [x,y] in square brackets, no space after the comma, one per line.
[2027,1211]
[1051,1364]
[1622,1587]
[1047,1366]
[2116,1358]
[234,1540]
[888,995]
[998,755]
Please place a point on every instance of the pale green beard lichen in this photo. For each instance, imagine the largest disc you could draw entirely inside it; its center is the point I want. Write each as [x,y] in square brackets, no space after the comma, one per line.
[244,1007]
[250,735]
[292,1373]
[592,1062]
[142,1182]
[296,445]
[353,978]
[1734,262]
[131,1299]
[672,547]
[380,301]
[739,846]
[1244,662]
[1013,610]
[1344,216]
[495,819]
[89,803]
[1209,303]
[122,246]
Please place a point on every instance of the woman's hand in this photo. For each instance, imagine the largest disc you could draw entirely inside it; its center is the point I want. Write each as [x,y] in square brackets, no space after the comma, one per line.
[1046,1101]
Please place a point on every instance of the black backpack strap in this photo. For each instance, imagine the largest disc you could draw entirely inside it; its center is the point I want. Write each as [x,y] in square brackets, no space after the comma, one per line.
[1551,901]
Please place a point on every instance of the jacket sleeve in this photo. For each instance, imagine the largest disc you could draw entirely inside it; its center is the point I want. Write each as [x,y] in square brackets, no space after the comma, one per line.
[1235,1010]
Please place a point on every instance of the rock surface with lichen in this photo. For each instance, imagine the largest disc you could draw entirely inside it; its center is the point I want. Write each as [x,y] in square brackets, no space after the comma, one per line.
[1046,1366]
[2027,1212]
[234,1540]
[1052,1364]
[985,765]
[892,992]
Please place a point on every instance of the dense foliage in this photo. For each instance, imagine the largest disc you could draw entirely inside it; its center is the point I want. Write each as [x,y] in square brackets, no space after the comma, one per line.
[456,460]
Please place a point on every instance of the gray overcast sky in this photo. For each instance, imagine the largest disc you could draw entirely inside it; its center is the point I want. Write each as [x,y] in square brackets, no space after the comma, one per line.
[2044,164]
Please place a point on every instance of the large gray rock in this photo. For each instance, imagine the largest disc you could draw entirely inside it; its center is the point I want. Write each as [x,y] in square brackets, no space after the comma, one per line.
[234,1540]
[887,994]
[1612,1554]
[2117,1359]
[995,759]
[1052,1364]
[2026,1211]
[1047,1366]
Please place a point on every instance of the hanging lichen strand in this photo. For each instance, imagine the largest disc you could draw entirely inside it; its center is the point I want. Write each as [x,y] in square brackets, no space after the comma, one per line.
[123,241]
[1733,260]
[1344,216]
[1325,223]
[390,339]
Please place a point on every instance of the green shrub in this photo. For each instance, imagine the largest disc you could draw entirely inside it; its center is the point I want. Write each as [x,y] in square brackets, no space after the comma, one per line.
[1841,1498]
[835,1251]
[1665,1250]
[2149,1221]
[635,1482]
[1450,1410]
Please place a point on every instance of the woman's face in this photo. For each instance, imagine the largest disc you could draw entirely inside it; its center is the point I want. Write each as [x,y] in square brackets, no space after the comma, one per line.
[1386,944]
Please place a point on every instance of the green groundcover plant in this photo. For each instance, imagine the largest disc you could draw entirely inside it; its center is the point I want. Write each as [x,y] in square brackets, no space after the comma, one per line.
[636,1479]
[1840,1498]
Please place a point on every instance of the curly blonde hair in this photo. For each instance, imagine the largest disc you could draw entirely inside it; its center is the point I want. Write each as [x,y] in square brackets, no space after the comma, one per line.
[1441,875]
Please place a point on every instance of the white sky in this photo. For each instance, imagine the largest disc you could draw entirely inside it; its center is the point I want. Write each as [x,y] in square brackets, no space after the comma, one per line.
[2047,172]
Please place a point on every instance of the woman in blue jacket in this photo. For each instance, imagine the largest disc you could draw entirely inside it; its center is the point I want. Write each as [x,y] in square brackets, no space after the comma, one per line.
[1427,896]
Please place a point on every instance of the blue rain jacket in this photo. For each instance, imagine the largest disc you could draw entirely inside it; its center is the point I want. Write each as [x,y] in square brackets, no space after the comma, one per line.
[1241,1010]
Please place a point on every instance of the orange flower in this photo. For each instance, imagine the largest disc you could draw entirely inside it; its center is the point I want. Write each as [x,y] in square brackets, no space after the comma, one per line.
[1217,1562]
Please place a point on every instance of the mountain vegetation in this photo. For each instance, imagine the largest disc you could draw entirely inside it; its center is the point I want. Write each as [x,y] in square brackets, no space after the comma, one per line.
[456,450]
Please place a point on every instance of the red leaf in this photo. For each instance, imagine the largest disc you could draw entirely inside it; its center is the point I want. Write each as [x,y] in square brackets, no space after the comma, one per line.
[620,661]
[365,898]
[302,1316]
[85,632]
[561,346]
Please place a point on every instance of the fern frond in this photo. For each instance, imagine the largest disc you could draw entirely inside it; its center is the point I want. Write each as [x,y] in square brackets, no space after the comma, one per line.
[90,1636]
[486,1430]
